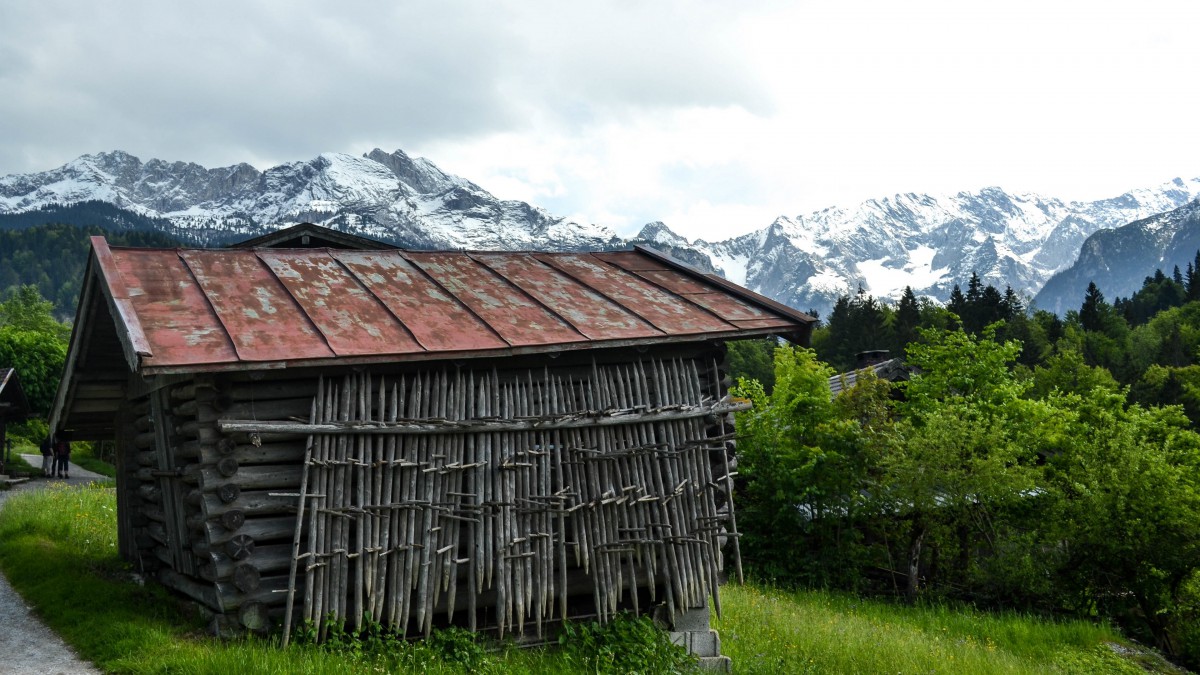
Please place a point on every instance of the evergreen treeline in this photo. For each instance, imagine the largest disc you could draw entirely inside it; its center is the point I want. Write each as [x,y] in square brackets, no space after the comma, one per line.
[52,257]
[101,214]
[862,323]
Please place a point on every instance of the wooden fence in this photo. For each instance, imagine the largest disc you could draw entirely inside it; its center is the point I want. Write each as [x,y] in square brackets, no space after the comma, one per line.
[460,491]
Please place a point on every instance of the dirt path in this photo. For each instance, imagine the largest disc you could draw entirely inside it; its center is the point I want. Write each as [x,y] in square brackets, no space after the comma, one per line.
[27,646]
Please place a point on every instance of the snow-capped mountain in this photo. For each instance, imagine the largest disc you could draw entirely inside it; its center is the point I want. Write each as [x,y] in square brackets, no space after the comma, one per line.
[1119,260]
[929,243]
[806,261]
[385,196]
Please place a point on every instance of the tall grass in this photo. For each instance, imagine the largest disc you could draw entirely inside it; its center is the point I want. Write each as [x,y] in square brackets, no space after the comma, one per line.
[58,548]
[775,631]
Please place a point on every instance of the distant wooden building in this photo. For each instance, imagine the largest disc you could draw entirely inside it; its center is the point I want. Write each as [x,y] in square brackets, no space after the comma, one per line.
[13,408]
[497,440]
[309,235]
[877,361]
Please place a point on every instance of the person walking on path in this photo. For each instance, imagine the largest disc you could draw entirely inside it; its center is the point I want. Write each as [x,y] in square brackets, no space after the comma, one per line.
[48,460]
[62,456]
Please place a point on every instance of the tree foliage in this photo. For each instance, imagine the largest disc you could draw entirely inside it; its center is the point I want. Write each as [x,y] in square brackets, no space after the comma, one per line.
[33,344]
[801,463]
[754,360]
[51,257]
[1038,488]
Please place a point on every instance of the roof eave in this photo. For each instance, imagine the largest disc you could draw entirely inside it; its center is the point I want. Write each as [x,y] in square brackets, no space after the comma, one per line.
[129,328]
[11,383]
[134,345]
[740,334]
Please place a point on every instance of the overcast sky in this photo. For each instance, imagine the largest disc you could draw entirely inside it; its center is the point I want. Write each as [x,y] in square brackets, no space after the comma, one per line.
[714,117]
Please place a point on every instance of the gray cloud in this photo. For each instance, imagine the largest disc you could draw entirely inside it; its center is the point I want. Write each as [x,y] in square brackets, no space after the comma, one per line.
[222,82]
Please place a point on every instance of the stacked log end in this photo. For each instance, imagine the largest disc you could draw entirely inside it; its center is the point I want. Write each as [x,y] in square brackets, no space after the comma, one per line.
[211,515]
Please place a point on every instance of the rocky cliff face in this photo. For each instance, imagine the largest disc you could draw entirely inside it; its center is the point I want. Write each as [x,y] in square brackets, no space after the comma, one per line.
[1119,260]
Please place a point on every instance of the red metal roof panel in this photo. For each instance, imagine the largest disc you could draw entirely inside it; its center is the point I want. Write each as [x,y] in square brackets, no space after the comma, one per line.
[217,309]
[587,311]
[709,296]
[260,316]
[436,319]
[505,308]
[176,319]
[660,308]
[631,260]
[727,307]
[353,321]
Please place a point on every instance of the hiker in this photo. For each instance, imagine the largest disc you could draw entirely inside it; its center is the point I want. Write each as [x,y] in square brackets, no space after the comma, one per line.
[62,456]
[48,456]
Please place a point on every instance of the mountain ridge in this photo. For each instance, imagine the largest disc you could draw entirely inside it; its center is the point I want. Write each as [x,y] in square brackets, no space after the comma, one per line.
[880,245]
[1119,259]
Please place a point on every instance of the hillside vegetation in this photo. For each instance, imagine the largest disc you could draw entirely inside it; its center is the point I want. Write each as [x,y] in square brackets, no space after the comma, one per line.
[51,257]
[1031,463]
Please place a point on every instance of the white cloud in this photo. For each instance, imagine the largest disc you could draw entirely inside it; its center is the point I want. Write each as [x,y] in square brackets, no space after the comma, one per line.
[714,117]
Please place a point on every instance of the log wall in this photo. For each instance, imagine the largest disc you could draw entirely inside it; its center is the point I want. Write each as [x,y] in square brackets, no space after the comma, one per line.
[562,489]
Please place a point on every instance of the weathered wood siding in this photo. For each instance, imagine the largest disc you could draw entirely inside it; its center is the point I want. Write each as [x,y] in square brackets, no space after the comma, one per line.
[498,495]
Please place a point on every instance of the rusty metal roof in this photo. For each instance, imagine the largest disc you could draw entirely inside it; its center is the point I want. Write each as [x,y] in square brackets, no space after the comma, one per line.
[182,310]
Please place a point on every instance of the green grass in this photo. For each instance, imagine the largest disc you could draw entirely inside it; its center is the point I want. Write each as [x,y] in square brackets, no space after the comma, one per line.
[17,465]
[84,458]
[775,631]
[58,548]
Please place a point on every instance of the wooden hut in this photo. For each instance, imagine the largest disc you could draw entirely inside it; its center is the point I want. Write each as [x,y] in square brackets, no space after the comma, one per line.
[496,440]
[13,408]
[310,235]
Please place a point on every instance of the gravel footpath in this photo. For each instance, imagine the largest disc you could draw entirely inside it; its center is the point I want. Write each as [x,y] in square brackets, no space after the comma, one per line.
[26,644]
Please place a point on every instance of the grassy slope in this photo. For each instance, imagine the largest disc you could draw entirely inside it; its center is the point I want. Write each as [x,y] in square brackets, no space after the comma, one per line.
[772,631]
[58,548]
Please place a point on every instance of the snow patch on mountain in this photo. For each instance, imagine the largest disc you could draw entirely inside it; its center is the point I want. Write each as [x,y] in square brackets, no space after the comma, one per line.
[887,277]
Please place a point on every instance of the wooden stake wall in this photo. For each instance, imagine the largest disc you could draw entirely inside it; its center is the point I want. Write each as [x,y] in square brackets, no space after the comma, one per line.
[493,498]
[496,497]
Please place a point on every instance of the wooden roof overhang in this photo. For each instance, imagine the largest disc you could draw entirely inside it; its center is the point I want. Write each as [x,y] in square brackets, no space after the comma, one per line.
[152,312]
[13,404]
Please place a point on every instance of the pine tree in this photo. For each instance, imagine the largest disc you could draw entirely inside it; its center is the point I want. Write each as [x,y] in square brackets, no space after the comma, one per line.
[990,308]
[974,288]
[1192,281]
[1091,314]
[908,319]
[957,303]
[1012,305]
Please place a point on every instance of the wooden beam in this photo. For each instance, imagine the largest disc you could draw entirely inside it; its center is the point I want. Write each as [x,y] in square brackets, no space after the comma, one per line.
[575,421]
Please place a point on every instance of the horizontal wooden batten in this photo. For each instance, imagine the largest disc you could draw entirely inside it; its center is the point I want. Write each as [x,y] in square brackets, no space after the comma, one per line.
[574,421]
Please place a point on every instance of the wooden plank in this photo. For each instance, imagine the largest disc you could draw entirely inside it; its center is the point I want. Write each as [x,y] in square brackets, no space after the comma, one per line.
[574,421]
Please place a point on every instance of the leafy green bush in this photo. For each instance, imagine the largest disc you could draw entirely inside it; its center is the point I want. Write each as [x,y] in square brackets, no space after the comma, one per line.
[627,644]
[458,645]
